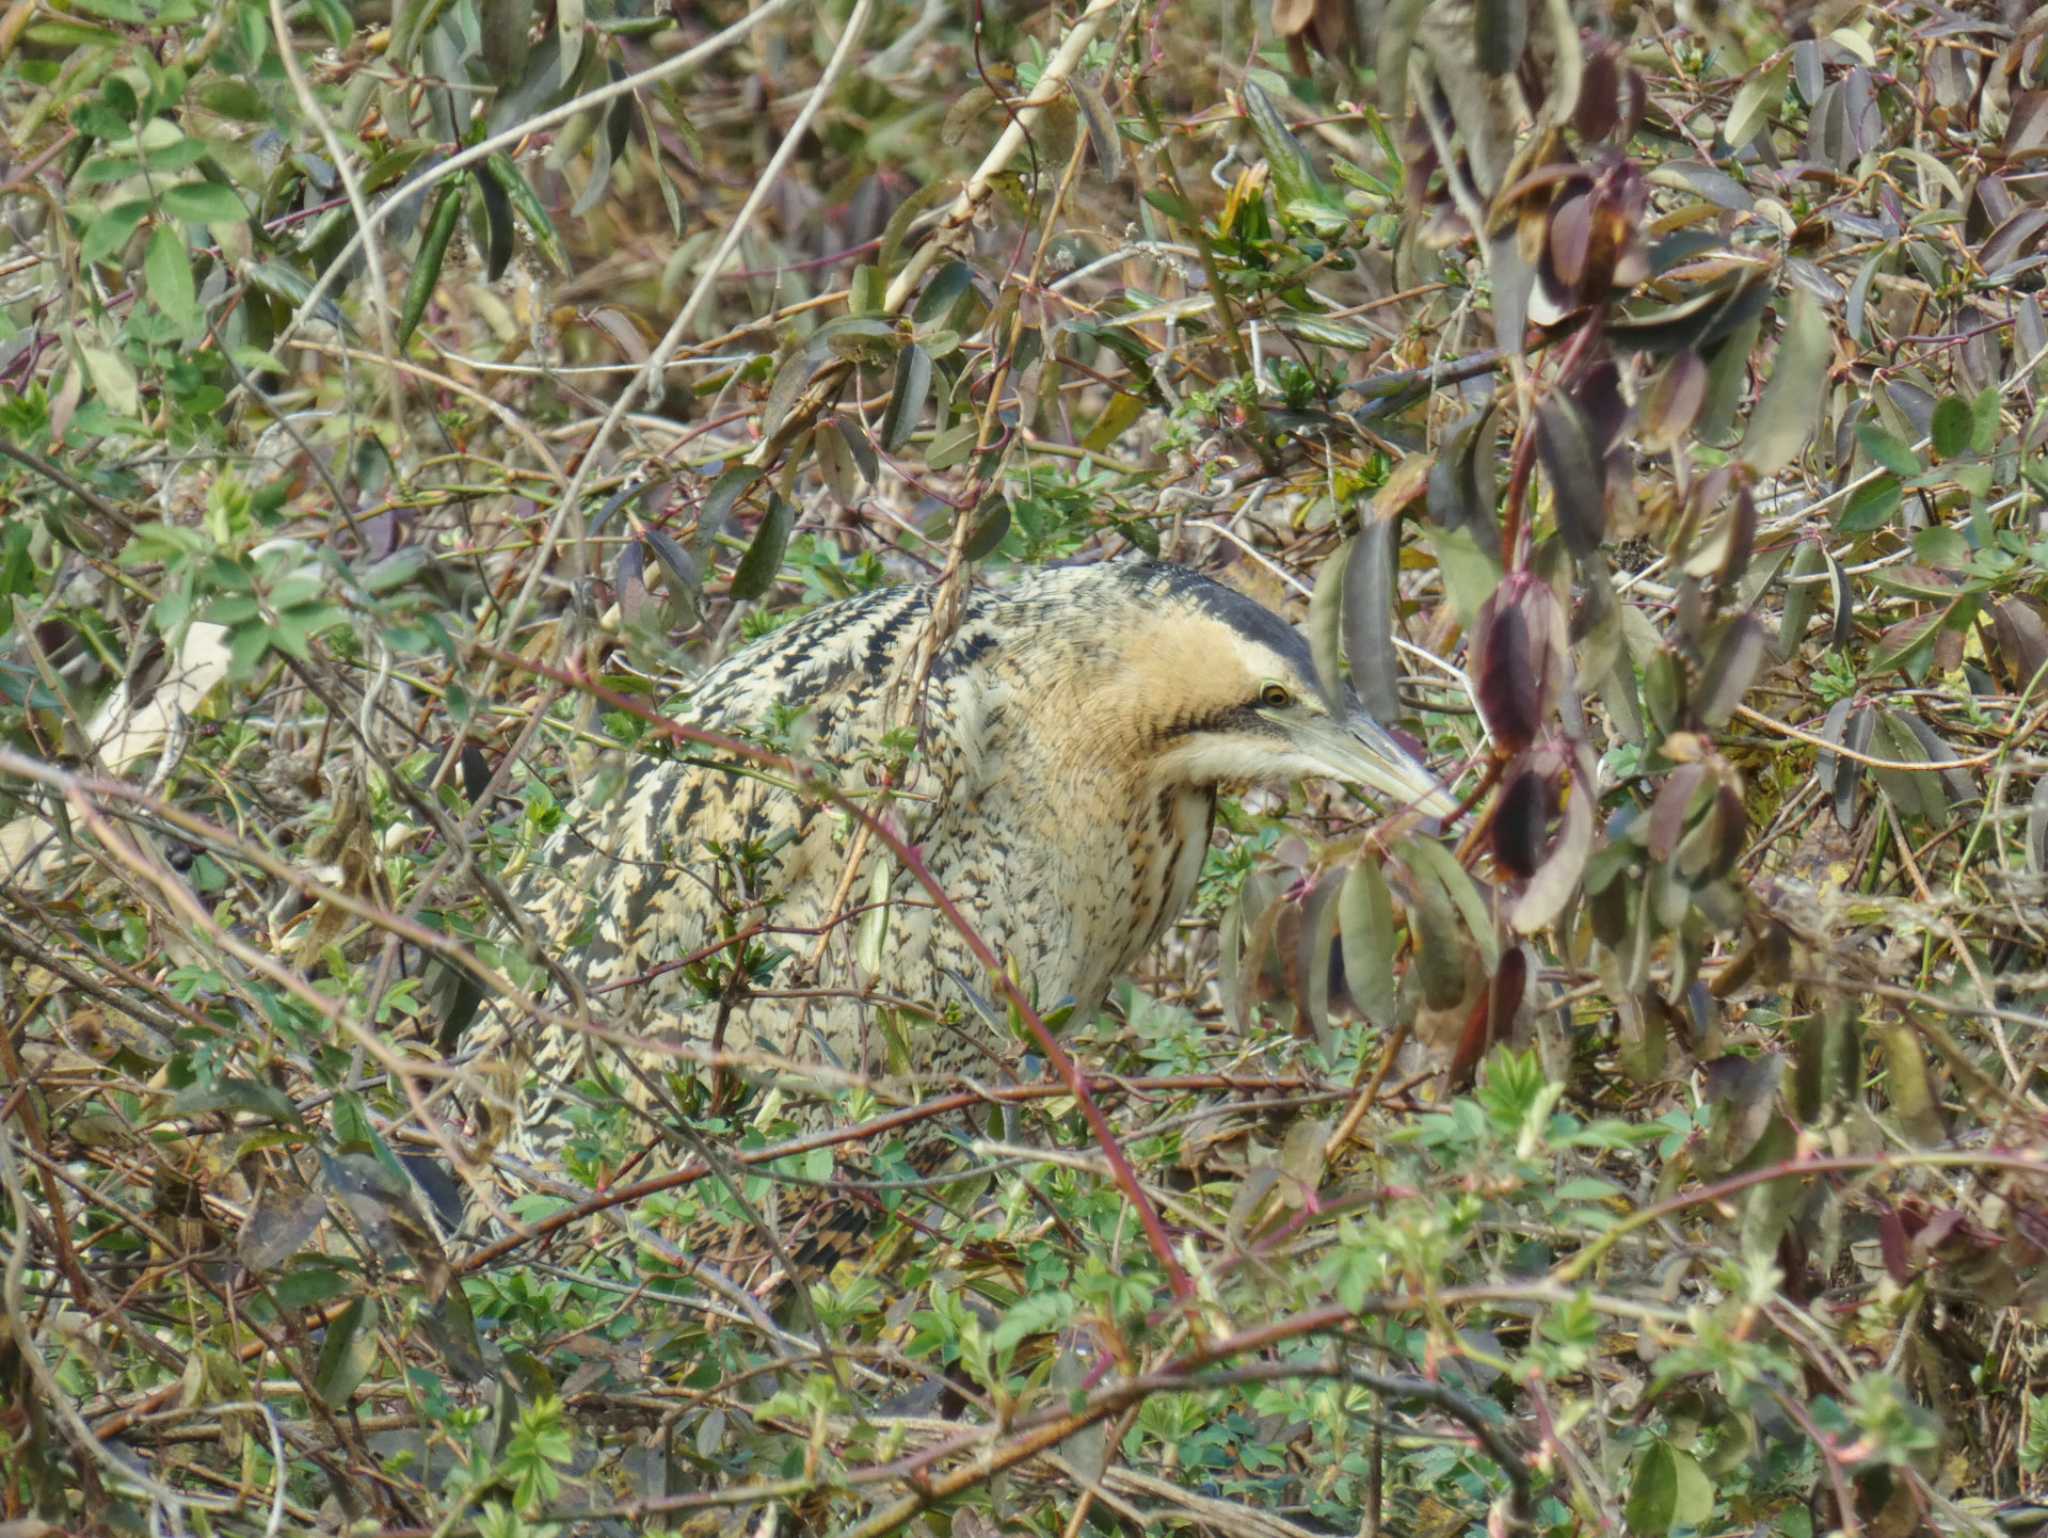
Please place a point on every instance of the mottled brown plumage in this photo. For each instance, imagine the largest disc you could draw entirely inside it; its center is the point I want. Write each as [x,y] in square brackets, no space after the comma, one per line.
[1074,731]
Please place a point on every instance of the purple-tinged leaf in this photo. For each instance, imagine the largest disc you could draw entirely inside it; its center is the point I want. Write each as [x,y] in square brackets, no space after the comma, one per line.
[2021,640]
[1578,474]
[1731,671]
[1672,403]
[1668,811]
[1511,665]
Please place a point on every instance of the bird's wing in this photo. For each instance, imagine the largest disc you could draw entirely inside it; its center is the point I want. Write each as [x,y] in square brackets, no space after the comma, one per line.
[633,883]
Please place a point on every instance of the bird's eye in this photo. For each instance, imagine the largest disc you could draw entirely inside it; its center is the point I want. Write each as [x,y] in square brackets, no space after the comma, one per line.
[1275,697]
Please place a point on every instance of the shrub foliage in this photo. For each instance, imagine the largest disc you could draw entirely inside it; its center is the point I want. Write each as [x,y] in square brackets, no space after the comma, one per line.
[1643,408]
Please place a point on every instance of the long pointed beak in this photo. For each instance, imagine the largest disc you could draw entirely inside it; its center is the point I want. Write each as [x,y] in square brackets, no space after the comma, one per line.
[1362,753]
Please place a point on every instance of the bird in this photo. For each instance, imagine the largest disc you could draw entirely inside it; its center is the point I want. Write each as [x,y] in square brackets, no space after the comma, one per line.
[1055,762]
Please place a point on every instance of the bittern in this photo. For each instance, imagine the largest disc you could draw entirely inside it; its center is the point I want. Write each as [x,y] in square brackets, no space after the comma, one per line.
[1059,779]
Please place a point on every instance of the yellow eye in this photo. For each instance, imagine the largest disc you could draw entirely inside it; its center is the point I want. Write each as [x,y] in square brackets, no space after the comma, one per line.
[1275,697]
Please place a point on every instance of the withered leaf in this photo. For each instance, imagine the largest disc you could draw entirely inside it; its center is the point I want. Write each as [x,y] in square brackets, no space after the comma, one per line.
[1550,888]
[1599,108]
[2021,640]
[1672,403]
[1668,811]
[278,1227]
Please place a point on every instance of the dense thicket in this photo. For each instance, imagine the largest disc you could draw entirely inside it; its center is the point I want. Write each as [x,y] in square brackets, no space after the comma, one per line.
[1643,405]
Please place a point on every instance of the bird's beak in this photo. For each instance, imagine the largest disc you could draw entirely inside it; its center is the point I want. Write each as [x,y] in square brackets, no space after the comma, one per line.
[1362,753]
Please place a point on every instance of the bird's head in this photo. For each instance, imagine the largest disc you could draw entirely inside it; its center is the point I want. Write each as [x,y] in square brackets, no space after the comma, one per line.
[1221,690]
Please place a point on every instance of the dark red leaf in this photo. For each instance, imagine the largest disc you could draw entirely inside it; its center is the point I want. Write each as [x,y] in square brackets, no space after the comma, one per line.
[1521,823]
[1668,811]
[1599,107]
[1509,689]
[1891,1240]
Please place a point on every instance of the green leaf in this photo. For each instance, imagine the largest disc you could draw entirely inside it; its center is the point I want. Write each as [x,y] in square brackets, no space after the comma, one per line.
[1760,96]
[1325,333]
[1470,572]
[1904,644]
[1785,417]
[497,209]
[295,627]
[1985,423]
[953,445]
[1952,426]
[906,405]
[233,98]
[264,1100]
[180,155]
[1297,189]
[725,493]
[17,567]
[112,379]
[946,289]
[1036,1315]
[295,288]
[532,212]
[246,647]
[203,203]
[865,291]
[1173,207]
[763,559]
[1670,1491]
[1326,620]
[1427,858]
[113,10]
[1891,452]
[863,338]
[168,267]
[348,1353]
[426,271]
[1365,928]
[111,228]
[905,214]
[1870,507]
